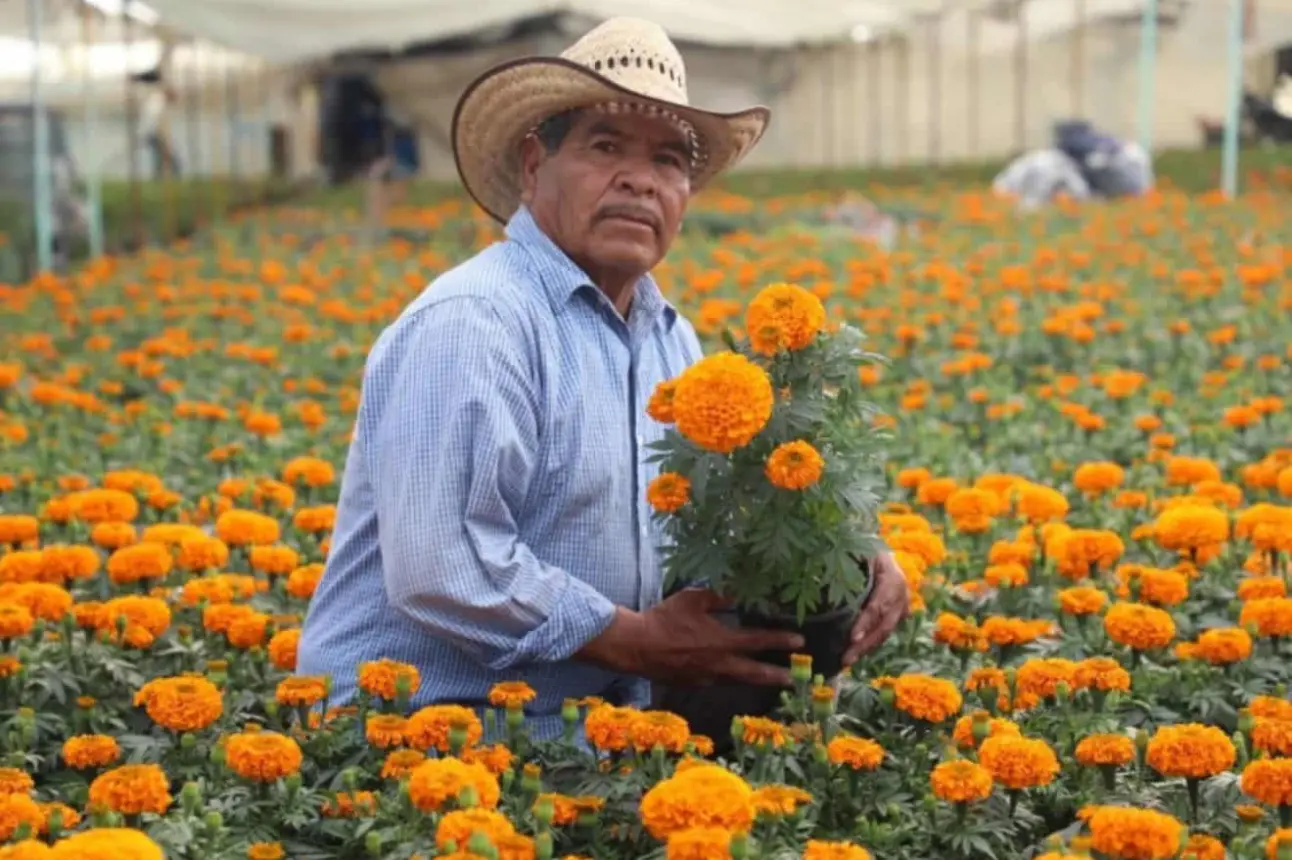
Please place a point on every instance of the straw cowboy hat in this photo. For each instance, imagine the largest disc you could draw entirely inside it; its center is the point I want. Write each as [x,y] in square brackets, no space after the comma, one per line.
[625,63]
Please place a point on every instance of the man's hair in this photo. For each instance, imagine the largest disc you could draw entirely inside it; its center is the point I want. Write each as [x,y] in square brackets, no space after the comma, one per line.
[551,132]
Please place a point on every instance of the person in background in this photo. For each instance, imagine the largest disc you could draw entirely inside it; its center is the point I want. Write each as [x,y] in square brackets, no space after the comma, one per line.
[1040,177]
[1111,167]
[390,174]
[154,130]
[1083,164]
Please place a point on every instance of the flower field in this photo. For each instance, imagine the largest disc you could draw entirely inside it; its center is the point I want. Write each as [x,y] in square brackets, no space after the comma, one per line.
[1090,494]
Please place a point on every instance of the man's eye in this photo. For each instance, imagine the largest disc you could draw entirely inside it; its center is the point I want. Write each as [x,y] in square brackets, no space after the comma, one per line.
[670,160]
[605,146]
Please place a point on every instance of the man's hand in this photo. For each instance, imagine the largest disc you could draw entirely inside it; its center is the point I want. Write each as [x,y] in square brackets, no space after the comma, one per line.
[886,608]
[680,642]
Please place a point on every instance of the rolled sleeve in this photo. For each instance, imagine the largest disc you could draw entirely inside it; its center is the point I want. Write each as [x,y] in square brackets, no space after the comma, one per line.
[450,437]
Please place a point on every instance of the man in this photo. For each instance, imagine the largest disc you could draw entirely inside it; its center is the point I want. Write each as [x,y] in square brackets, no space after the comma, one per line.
[493,523]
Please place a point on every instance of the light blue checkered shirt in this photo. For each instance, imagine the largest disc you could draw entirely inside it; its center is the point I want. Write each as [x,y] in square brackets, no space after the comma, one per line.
[493,508]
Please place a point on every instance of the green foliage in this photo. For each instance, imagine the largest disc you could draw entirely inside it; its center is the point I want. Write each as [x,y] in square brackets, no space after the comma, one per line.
[783,550]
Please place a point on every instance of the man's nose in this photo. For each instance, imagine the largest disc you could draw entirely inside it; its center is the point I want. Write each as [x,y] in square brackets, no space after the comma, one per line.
[638,179]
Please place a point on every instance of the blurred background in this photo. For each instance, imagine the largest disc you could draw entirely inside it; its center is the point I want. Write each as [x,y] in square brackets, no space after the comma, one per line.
[127,123]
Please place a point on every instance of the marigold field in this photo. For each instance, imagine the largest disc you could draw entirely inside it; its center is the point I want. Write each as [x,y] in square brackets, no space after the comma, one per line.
[1091,497]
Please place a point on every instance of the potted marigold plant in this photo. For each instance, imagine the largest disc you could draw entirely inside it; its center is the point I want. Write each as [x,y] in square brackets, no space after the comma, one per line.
[770,474]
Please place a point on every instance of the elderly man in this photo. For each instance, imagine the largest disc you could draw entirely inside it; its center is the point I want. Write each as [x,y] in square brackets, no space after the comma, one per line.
[493,523]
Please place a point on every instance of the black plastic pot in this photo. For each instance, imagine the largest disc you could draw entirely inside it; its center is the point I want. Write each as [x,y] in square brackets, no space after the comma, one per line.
[826,636]
[710,710]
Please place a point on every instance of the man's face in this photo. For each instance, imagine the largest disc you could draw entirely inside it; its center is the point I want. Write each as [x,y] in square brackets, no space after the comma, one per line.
[613,194]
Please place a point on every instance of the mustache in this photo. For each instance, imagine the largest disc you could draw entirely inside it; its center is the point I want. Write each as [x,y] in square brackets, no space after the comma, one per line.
[632,212]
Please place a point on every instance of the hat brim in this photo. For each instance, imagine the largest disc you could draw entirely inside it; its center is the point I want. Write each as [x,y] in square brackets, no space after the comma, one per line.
[504,104]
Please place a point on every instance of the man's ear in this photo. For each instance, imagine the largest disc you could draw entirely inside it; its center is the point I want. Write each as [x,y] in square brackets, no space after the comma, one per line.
[531,158]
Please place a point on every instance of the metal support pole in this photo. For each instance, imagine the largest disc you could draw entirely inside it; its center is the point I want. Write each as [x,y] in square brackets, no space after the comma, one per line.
[1147,73]
[132,131]
[40,142]
[875,101]
[1079,58]
[935,86]
[1020,79]
[1229,154]
[93,176]
[972,83]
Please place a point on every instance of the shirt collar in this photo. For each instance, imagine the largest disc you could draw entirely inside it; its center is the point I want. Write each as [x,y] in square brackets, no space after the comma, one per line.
[562,279]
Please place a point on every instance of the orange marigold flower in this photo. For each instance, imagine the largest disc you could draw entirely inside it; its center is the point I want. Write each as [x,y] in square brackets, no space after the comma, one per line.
[265,851]
[459,825]
[1257,587]
[15,621]
[668,492]
[1186,528]
[1039,679]
[262,756]
[1190,750]
[1271,616]
[1225,645]
[400,763]
[649,729]
[303,581]
[1101,673]
[381,678]
[1098,750]
[496,758]
[274,560]
[1017,762]
[432,727]
[240,527]
[145,619]
[17,810]
[14,781]
[608,728]
[699,843]
[1096,478]
[84,752]
[794,466]
[1203,847]
[923,696]
[301,691]
[762,731]
[1280,837]
[971,729]
[959,633]
[778,800]
[282,649]
[437,782]
[961,781]
[1269,781]
[1082,600]
[1138,626]
[132,789]
[1271,735]
[1039,504]
[310,471]
[783,316]
[817,849]
[386,730]
[1001,631]
[670,805]
[183,704]
[856,753]
[345,804]
[660,405]
[722,402]
[107,843]
[1134,834]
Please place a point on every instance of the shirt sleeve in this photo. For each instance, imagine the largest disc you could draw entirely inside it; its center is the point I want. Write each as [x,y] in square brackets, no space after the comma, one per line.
[450,439]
